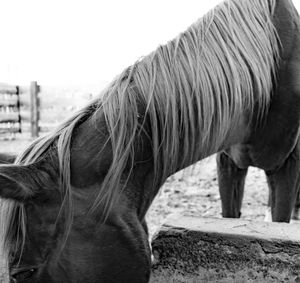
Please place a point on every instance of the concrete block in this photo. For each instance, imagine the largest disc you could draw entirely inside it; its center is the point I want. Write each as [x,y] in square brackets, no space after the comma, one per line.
[192,249]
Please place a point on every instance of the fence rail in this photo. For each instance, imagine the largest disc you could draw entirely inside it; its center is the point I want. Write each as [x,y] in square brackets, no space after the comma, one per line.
[10,119]
[37,109]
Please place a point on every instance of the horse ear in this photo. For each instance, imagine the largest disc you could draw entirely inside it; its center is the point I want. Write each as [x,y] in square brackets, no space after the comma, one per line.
[19,182]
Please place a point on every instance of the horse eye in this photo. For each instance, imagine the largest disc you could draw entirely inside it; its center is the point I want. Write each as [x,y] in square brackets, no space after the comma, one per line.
[23,275]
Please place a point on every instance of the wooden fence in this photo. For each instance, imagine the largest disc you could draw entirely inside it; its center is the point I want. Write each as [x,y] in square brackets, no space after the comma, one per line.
[37,109]
[10,116]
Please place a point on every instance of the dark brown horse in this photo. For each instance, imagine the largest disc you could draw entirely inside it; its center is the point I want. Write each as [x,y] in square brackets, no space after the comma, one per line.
[76,199]
[283,181]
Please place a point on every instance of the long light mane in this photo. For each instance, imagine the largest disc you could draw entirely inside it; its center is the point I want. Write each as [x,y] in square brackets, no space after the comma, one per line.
[194,90]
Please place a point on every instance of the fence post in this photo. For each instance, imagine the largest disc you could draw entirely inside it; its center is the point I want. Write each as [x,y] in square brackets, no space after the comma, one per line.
[34,90]
[19,110]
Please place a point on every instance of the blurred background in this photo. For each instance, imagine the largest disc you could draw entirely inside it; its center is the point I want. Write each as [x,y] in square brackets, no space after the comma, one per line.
[85,43]
[72,49]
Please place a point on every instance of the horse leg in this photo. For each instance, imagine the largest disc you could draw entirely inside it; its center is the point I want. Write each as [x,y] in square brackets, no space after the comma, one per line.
[284,185]
[231,185]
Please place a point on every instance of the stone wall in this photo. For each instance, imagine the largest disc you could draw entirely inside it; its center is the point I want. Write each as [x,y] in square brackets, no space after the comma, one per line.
[191,249]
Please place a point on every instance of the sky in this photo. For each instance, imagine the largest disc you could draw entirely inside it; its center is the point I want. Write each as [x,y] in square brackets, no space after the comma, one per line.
[86,42]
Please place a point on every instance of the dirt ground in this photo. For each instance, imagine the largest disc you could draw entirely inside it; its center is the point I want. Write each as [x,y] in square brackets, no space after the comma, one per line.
[193,191]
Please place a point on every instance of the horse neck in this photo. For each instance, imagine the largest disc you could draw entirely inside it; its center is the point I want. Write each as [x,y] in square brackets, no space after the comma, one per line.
[91,158]
[238,132]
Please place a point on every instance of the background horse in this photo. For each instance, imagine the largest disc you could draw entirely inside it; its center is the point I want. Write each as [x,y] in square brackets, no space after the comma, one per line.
[283,181]
[77,198]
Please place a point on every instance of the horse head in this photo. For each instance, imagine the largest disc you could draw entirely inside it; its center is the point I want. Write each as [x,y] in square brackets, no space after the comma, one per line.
[54,237]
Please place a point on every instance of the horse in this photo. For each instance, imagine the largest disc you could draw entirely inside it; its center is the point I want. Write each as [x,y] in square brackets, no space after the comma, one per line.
[283,181]
[76,199]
